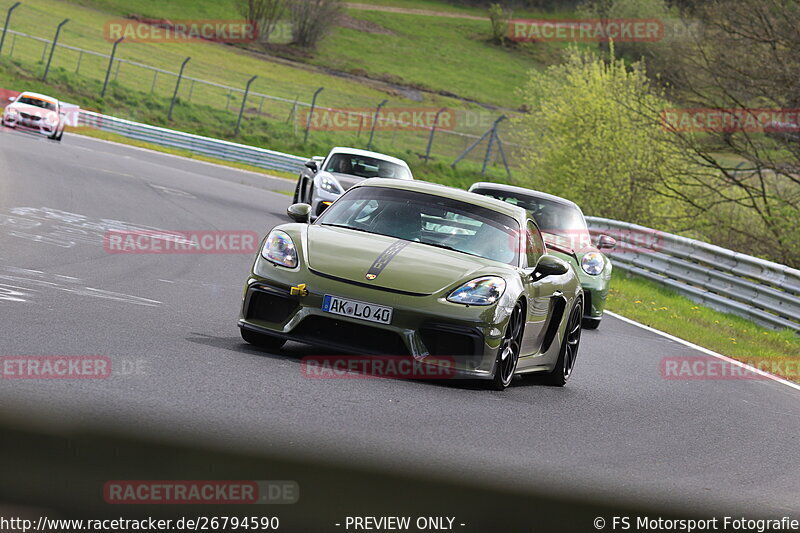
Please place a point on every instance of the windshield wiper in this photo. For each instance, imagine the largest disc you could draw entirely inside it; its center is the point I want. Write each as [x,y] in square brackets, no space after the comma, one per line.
[444,246]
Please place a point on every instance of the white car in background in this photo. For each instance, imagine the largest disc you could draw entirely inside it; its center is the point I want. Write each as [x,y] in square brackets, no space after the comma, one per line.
[35,112]
[323,180]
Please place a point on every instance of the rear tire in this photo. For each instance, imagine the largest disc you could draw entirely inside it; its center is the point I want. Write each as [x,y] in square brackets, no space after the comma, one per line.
[508,353]
[590,323]
[569,349]
[261,340]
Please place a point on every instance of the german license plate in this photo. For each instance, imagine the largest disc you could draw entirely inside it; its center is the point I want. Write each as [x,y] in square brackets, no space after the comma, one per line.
[356,309]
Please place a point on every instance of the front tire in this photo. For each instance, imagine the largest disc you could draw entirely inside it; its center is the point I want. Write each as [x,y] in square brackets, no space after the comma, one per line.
[262,341]
[296,198]
[508,353]
[569,349]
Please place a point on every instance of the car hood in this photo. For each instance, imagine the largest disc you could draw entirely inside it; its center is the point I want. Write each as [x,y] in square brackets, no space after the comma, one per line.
[416,267]
[345,180]
[30,109]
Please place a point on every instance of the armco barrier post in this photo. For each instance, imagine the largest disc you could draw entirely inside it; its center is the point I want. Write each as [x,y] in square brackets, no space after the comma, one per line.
[53,48]
[244,102]
[5,26]
[177,86]
[311,112]
[110,64]
[374,122]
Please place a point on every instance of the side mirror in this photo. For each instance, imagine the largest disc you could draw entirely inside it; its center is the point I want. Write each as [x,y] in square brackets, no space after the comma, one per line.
[549,265]
[299,212]
[12,98]
[312,165]
[606,242]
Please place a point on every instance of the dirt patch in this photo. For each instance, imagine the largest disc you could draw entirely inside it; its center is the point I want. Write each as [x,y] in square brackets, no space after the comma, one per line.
[366,26]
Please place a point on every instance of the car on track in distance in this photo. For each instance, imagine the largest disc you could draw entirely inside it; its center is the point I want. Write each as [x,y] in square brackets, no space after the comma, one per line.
[565,231]
[411,268]
[35,112]
[320,183]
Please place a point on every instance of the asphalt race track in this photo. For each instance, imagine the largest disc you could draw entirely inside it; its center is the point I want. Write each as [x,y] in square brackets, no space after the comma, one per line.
[168,323]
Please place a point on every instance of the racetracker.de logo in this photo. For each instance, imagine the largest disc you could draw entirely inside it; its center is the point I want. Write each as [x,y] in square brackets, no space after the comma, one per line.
[55,367]
[173,31]
[377,366]
[180,242]
[698,368]
[388,119]
[586,30]
[626,241]
[731,120]
[216,492]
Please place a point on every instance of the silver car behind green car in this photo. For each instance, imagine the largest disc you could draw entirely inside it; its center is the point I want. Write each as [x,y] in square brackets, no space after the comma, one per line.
[567,236]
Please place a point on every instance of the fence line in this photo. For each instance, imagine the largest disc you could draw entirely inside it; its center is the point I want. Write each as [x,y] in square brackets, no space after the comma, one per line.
[449,142]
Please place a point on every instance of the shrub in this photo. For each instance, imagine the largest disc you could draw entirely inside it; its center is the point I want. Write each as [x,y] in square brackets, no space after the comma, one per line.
[312,20]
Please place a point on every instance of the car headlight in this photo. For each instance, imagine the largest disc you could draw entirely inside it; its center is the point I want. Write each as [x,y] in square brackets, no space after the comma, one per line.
[279,249]
[11,112]
[479,291]
[51,119]
[330,184]
[593,263]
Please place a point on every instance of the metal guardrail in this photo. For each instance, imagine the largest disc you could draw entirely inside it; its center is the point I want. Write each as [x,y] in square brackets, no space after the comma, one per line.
[207,146]
[765,292]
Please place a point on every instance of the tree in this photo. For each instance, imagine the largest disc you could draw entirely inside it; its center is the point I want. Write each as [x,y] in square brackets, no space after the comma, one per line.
[312,20]
[661,54]
[748,58]
[591,137]
[264,14]
[498,18]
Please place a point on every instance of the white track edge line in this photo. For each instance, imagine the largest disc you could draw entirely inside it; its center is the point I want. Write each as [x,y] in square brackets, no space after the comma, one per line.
[706,351]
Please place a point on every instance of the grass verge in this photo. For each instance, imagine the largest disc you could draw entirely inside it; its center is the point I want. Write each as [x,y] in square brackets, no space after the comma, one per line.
[736,337]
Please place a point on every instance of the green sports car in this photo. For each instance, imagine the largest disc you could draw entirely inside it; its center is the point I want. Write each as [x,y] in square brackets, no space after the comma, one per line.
[566,234]
[410,268]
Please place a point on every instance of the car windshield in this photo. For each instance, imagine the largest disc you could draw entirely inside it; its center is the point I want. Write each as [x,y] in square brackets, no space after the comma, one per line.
[365,167]
[553,218]
[427,219]
[38,102]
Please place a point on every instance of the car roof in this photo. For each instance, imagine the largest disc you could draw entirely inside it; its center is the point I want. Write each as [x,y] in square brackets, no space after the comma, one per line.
[39,96]
[367,153]
[436,189]
[522,190]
